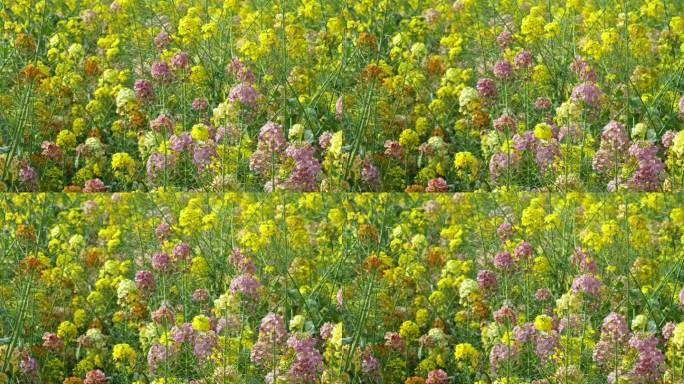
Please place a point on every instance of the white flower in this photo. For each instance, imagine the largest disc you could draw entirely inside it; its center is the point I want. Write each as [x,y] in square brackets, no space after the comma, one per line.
[467,287]
[125,288]
[468,95]
[124,97]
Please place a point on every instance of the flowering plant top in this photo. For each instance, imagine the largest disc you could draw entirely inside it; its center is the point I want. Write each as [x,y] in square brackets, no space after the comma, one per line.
[360,95]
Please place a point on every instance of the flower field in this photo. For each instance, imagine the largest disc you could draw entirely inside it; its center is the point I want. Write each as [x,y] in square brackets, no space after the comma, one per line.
[553,130]
[339,288]
[353,95]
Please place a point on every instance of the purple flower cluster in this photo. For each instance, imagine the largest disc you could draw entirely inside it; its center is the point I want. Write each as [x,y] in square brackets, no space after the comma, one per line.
[393,340]
[245,94]
[51,150]
[525,332]
[183,333]
[159,163]
[272,335]
[308,362]
[486,88]
[162,230]
[437,185]
[649,167]
[615,150]
[614,137]
[240,261]
[369,363]
[505,38]
[504,315]
[614,334]
[161,71]
[181,251]
[581,260]
[500,162]
[542,102]
[616,341]
[503,260]
[582,69]
[614,142]
[437,376]
[180,142]
[393,149]
[52,341]
[504,230]
[650,359]
[157,355]
[160,123]
[28,365]
[94,185]
[503,69]
[523,250]
[241,72]
[523,59]
[204,344]
[143,89]
[274,154]
[203,155]
[502,353]
[144,281]
[162,40]
[273,341]
[95,377]
[486,281]
[163,314]
[505,123]
[270,146]
[160,261]
[306,168]
[246,285]
[27,174]
[546,345]
[589,93]
[370,173]
[587,284]
[524,141]
[180,60]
